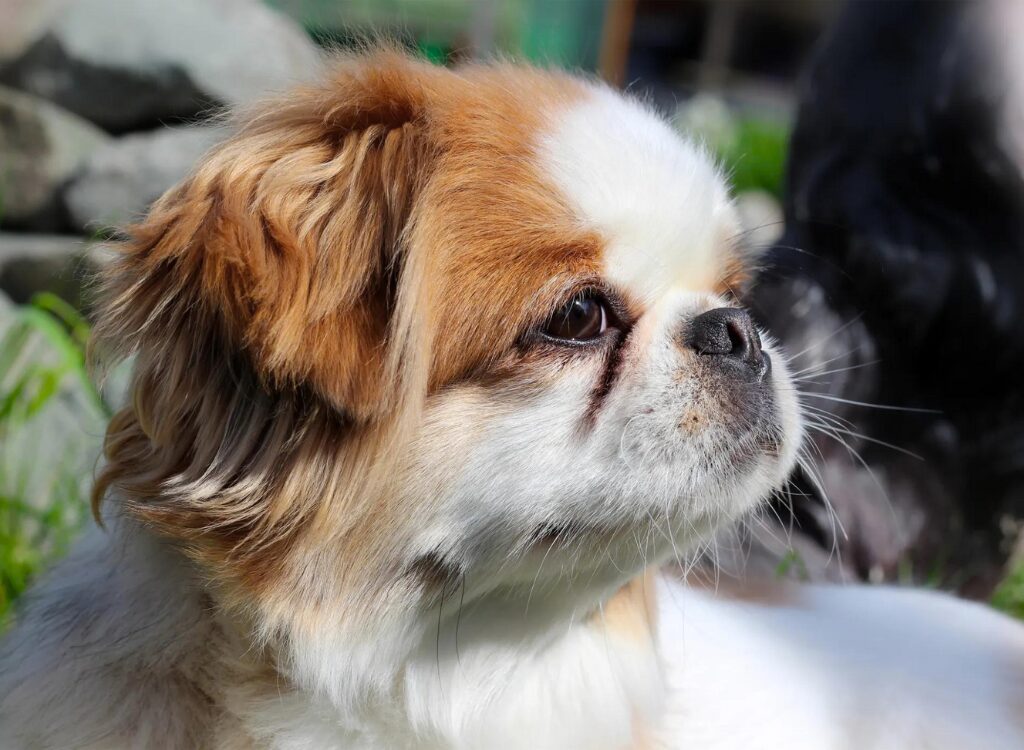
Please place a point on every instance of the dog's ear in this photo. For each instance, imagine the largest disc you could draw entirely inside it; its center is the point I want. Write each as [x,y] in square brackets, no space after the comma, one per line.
[285,247]
[268,300]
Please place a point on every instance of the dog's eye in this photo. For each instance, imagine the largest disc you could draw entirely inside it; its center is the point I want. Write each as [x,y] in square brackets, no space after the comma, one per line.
[583,318]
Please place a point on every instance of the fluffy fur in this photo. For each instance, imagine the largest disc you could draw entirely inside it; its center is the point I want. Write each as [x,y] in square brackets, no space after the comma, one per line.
[360,498]
[900,279]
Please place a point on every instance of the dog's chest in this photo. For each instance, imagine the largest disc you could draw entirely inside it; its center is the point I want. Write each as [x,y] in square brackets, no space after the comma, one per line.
[588,689]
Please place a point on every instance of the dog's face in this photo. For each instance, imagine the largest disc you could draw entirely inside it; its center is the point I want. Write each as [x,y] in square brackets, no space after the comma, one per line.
[624,405]
[415,329]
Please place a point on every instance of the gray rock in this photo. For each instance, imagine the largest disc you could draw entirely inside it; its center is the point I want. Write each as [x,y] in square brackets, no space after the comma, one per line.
[119,181]
[760,217]
[31,263]
[21,21]
[130,64]
[41,146]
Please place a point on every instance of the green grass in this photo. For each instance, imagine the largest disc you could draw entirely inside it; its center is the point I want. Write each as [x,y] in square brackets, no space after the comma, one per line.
[792,563]
[51,421]
[755,155]
[752,149]
[1009,595]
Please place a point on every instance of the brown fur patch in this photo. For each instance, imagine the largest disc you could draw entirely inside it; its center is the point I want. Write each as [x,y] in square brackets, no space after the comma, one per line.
[643,737]
[361,243]
[631,612]
[736,277]
[691,422]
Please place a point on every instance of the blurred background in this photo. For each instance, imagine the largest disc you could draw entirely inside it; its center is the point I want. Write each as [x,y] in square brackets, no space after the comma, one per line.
[873,155]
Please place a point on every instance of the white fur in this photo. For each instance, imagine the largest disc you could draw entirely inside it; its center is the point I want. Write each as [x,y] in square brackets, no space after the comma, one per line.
[872,668]
[658,200]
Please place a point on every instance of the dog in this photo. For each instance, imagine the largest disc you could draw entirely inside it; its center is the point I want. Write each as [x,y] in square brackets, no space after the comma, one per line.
[900,279]
[433,370]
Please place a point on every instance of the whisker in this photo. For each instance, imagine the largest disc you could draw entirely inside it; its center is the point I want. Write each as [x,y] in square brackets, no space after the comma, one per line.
[816,344]
[860,459]
[808,253]
[835,523]
[458,619]
[883,443]
[869,405]
[437,643]
[533,585]
[836,371]
[809,369]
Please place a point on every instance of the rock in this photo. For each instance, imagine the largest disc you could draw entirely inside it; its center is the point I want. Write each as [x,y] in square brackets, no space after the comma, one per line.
[132,65]
[706,118]
[760,217]
[41,146]
[22,21]
[119,181]
[32,263]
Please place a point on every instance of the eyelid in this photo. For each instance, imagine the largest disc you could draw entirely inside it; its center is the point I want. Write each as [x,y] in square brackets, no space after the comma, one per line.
[617,314]
[621,317]
[614,315]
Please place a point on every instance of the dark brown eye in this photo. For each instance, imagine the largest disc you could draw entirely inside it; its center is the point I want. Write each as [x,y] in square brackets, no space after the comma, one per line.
[583,318]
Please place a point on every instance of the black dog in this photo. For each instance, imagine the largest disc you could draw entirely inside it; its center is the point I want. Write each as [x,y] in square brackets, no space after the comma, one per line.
[900,280]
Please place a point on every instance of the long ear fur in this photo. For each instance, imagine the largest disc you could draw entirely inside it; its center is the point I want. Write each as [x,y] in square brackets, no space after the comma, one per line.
[268,301]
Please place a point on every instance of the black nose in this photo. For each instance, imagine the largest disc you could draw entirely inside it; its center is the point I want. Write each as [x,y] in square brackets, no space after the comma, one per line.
[729,333]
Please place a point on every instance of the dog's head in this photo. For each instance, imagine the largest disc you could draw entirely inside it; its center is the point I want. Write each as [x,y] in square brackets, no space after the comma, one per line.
[415,329]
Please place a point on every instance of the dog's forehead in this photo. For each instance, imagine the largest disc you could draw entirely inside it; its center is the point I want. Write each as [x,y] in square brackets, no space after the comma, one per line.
[658,200]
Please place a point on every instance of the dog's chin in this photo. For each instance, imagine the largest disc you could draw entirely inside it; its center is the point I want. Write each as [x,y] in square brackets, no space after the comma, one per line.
[595,554]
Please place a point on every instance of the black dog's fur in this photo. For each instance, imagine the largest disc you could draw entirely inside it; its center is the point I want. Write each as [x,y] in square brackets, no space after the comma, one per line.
[903,260]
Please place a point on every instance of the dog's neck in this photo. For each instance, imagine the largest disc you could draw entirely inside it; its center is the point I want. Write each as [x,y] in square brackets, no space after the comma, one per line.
[479,678]
[589,679]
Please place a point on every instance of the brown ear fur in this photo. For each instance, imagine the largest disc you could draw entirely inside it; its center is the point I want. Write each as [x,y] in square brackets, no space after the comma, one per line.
[262,298]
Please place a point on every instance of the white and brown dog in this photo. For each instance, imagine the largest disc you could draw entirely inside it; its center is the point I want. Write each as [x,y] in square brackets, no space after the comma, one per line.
[432,369]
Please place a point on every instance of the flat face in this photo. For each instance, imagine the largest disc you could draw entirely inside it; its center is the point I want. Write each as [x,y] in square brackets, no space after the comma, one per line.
[599,451]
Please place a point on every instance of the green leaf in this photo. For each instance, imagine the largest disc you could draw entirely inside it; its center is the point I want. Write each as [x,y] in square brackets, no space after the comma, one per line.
[1009,595]
[75,322]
